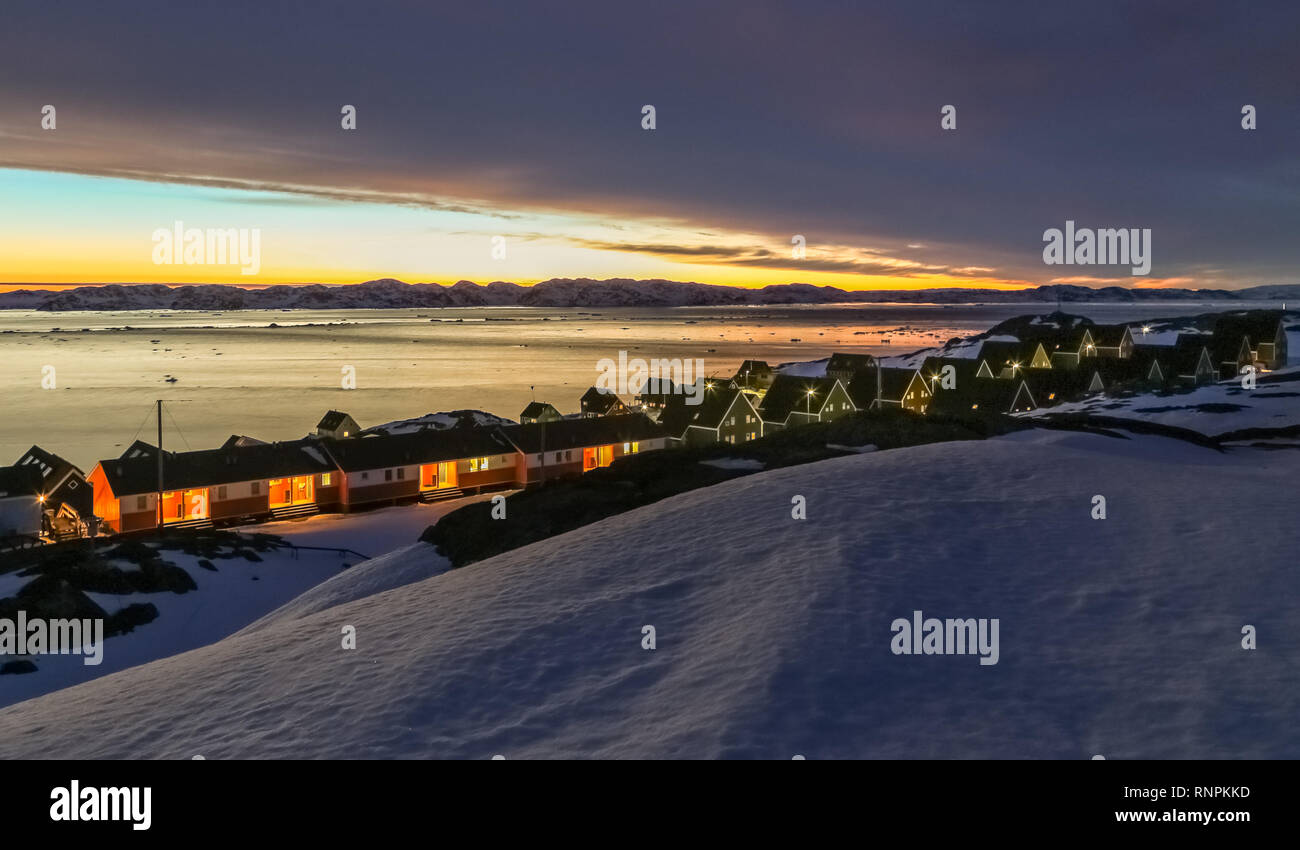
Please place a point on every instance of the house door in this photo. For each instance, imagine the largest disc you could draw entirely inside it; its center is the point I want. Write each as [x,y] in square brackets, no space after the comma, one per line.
[588,459]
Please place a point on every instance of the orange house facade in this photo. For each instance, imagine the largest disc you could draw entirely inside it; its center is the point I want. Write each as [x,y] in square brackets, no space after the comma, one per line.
[218,485]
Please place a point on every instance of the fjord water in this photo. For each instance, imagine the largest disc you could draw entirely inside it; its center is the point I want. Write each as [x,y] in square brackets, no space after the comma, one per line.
[272,374]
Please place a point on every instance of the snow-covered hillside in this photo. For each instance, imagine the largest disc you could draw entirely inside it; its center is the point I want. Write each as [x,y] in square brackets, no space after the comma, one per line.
[1118,636]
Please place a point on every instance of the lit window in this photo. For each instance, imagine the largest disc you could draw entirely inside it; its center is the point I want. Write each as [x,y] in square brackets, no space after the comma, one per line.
[473,464]
[627,448]
[636,447]
[325,479]
[345,433]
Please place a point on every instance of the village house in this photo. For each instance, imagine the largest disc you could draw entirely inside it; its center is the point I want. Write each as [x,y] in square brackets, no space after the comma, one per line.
[570,447]
[1011,359]
[425,465]
[847,366]
[903,387]
[201,488]
[725,414]
[539,411]
[1112,341]
[1067,342]
[20,502]
[338,425]
[792,400]
[68,502]
[1190,360]
[598,402]
[754,375]
[1142,370]
[1011,395]
[654,395]
[1255,337]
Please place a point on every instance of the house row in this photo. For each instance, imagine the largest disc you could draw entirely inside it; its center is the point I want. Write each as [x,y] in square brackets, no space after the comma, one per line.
[729,411]
[249,479]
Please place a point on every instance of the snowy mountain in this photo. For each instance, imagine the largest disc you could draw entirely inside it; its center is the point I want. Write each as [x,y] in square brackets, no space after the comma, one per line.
[567,292]
[1119,637]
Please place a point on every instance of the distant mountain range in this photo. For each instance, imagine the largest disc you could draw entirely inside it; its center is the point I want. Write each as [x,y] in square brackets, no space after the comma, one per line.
[571,292]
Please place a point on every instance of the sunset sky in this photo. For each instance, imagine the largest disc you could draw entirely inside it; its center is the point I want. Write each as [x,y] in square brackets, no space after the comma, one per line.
[523,121]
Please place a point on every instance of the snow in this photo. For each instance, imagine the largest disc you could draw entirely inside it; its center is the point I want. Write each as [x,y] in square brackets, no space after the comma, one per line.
[225,601]
[1210,409]
[1119,637]
[402,566]
[372,532]
[228,600]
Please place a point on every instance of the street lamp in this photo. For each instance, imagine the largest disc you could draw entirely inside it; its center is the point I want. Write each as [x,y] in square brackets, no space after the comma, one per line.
[810,395]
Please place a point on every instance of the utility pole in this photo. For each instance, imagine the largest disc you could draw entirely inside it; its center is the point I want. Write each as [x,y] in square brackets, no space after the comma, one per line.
[160,469]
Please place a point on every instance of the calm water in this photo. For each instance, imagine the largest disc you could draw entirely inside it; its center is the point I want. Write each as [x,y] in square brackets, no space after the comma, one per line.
[238,374]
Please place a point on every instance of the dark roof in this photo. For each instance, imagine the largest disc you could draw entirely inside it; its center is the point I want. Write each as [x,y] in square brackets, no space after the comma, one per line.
[599,401]
[1256,325]
[979,395]
[209,467]
[61,482]
[1185,354]
[717,401]
[19,481]
[789,393]
[1065,383]
[676,415]
[1057,339]
[332,420]
[754,367]
[1000,355]
[139,448]
[536,409]
[581,433]
[427,446]
[893,385]
[52,467]
[841,362]
[240,440]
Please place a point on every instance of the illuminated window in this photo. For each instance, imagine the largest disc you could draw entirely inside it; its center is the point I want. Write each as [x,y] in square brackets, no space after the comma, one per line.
[473,464]
[325,479]
[636,447]
[345,433]
[627,448]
